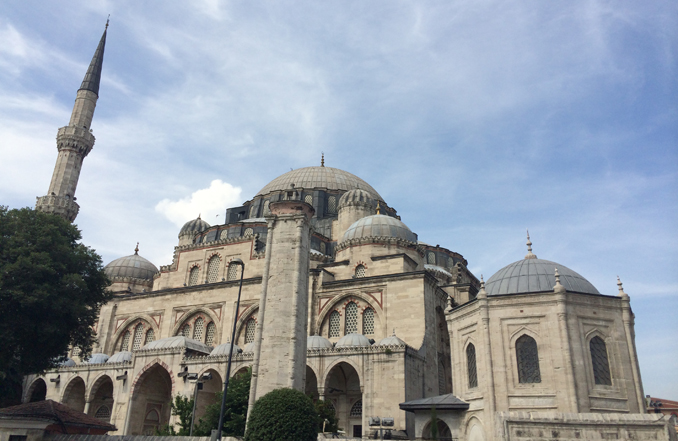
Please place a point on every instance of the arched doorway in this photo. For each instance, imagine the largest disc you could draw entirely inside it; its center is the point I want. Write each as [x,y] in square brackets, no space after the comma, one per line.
[208,394]
[151,401]
[101,399]
[37,391]
[444,432]
[342,388]
[74,395]
[311,388]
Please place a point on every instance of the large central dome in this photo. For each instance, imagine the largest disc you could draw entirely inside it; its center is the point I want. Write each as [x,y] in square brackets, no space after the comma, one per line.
[318,177]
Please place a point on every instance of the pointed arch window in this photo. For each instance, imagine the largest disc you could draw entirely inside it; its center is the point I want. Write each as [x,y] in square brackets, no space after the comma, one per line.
[198,327]
[253,211]
[368,321]
[357,409]
[211,332]
[471,366]
[308,199]
[138,335]
[528,360]
[601,365]
[103,413]
[213,269]
[250,328]
[334,324]
[150,336]
[249,232]
[186,331]
[124,342]
[232,271]
[193,276]
[360,271]
[351,325]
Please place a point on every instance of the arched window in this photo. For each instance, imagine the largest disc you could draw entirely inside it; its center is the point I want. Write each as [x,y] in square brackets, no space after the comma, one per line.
[601,365]
[359,271]
[198,328]
[528,360]
[213,269]
[150,336]
[232,271]
[249,232]
[332,204]
[351,325]
[211,332]
[357,409]
[253,211]
[223,235]
[193,276]
[308,199]
[334,324]
[138,335]
[124,342]
[471,366]
[431,258]
[368,321]
[323,248]
[103,413]
[250,327]
[267,209]
[186,331]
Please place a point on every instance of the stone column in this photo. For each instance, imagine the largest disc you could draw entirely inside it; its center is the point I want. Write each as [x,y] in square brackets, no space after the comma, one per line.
[560,293]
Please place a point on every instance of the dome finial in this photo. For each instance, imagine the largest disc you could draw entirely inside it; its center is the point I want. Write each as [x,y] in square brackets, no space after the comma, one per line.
[558,288]
[621,289]
[322,159]
[378,208]
[107,20]
[136,250]
[482,294]
[394,332]
[529,255]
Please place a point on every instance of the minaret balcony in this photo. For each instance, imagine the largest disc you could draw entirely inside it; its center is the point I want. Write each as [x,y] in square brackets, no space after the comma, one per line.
[76,132]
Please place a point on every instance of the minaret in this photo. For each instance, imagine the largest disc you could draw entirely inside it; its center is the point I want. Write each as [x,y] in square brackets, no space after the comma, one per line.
[74,142]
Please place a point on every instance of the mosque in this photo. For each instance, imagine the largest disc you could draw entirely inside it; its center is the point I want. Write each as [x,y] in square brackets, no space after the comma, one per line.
[339,298]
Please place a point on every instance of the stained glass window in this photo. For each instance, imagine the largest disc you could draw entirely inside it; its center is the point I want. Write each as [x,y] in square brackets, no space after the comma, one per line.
[308,199]
[471,366]
[528,360]
[213,269]
[357,409]
[211,331]
[103,413]
[124,344]
[332,204]
[334,324]
[359,271]
[232,272]
[138,335]
[368,321]
[198,328]
[601,365]
[351,325]
[186,331]
[193,276]
[250,327]
[150,336]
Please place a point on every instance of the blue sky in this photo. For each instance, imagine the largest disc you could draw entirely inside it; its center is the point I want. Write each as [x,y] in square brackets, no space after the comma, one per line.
[474,119]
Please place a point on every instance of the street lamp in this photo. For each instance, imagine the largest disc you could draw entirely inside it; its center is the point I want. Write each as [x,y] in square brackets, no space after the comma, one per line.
[235,261]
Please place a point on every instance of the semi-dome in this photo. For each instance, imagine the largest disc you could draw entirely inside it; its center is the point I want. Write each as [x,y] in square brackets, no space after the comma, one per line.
[133,266]
[536,275]
[318,342]
[353,341]
[318,177]
[120,357]
[193,227]
[356,196]
[97,358]
[68,362]
[177,342]
[225,349]
[379,225]
[391,340]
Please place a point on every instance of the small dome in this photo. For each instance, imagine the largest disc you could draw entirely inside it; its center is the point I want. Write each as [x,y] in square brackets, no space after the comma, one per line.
[249,348]
[97,359]
[193,227]
[353,341]
[356,197]
[68,362]
[225,349]
[178,342]
[120,357]
[391,340]
[318,342]
[536,275]
[379,225]
[133,266]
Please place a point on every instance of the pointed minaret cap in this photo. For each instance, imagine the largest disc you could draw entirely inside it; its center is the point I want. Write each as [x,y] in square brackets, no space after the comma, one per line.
[136,250]
[622,294]
[558,288]
[93,75]
[529,254]
[482,294]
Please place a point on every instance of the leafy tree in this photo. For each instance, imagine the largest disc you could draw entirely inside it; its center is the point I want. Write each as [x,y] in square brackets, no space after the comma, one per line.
[183,408]
[235,415]
[326,412]
[283,414]
[51,290]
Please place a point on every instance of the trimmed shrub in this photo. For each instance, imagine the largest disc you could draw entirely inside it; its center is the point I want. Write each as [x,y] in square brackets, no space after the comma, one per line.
[283,415]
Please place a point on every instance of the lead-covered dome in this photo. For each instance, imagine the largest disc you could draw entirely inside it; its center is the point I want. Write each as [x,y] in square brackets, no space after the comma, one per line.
[120,357]
[379,225]
[353,341]
[97,358]
[178,341]
[318,342]
[194,227]
[134,266]
[318,177]
[536,275]
[225,349]
[356,197]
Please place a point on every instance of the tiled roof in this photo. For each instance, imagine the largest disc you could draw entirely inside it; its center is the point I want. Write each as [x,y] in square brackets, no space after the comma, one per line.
[58,413]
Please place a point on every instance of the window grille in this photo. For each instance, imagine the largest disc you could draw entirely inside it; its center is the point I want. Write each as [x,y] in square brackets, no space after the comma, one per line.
[253,211]
[323,248]
[442,383]
[368,321]
[186,331]
[332,204]
[334,324]
[103,413]
[357,409]
[213,269]
[351,318]
[76,352]
[248,232]
[150,336]
[601,365]
[308,199]
[138,335]
[267,209]
[211,331]
[359,271]
[528,360]
[431,258]
[124,344]
[250,327]
[198,328]
[232,272]
[471,366]
[223,235]
[193,276]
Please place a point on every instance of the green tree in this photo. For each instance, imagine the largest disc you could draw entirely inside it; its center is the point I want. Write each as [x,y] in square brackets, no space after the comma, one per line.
[326,412]
[183,408]
[283,414]
[235,415]
[51,290]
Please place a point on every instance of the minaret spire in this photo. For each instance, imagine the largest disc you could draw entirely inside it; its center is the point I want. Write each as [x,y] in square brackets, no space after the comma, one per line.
[74,142]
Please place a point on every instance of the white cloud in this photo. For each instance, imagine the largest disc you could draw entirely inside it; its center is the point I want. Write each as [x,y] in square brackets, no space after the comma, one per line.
[207,202]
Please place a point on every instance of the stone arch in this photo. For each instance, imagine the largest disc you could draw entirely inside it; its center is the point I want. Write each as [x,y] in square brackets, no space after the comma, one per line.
[444,432]
[475,430]
[100,394]
[339,303]
[242,322]
[192,315]
[311,384]
[343,387]
[129,325]
[74,394]
[240,371]
[37,391]
[151,395]
[208,394]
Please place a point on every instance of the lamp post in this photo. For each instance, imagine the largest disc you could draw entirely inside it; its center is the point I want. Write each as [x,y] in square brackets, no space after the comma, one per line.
[235,261]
